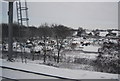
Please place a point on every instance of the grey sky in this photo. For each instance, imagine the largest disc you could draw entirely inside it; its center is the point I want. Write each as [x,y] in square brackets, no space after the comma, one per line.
[90,15]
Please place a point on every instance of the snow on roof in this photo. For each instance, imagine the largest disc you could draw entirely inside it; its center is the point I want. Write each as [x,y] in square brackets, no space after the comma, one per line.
[77,39]
[103,33]
[115,32]
[65,73]
[75,42]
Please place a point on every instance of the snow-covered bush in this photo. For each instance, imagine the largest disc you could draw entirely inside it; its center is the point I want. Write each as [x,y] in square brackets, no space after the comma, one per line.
[108,59]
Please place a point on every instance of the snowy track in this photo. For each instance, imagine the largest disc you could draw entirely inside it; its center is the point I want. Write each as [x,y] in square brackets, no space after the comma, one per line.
[38,71]
[22,74]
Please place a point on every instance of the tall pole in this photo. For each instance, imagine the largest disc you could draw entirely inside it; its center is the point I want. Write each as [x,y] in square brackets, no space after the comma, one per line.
[10,36]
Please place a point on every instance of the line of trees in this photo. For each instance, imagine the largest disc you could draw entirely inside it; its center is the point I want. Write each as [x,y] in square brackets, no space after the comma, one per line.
[23,32]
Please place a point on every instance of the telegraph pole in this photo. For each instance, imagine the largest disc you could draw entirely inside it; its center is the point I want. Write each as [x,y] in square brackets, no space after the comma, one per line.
[10,28]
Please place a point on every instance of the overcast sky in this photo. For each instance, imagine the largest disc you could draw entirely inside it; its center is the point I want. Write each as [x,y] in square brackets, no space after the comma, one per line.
[91,15]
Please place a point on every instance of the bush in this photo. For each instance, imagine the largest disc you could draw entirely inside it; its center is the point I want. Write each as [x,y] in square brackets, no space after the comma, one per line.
[107,64]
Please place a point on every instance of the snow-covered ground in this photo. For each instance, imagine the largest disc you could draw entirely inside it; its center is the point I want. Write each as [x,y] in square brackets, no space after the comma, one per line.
[65,73]
[90,48]
[0,70]
[13,74]
[79,54]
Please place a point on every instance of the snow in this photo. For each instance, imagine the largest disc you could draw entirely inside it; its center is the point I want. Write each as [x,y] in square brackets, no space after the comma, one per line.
[103,33]
[27,50]
[90,48]
[0,69]
[77,39]
[117,33]
[113,41]
[66,73]
[83,55]
[79,54]
[23,75]
[75,42]
[38,48]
